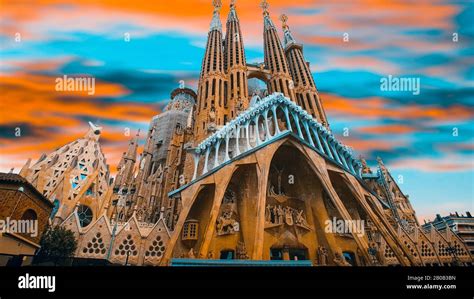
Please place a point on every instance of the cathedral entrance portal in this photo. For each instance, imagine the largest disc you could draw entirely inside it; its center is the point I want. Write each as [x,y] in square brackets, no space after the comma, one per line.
[292,228]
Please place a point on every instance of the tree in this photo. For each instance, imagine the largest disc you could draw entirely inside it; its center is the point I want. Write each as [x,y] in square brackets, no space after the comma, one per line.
[56,243]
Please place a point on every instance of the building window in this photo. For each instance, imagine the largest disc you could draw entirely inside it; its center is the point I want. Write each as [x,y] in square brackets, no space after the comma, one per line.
[90,191]
[349,256]
[276,254]
[29,215]
[227,254]
[190,230]
[85,215]
[56,204]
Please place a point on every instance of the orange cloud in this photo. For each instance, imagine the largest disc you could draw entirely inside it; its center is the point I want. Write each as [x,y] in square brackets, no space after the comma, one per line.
[49,119]
[33,99]
[388,129]
[376,108]
[364,145]
[193,16]
[448,164]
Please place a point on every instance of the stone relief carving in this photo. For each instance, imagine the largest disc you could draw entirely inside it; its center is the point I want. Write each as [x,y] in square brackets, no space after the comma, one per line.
[240,107]
[339,260]
[374,252]
[226,225]
[210,255]
[191,254]
[227,222]
[322,256]
[211,126]
[276,215]
[241,251]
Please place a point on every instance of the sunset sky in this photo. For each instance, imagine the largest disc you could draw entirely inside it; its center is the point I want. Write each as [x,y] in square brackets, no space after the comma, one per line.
[427,138]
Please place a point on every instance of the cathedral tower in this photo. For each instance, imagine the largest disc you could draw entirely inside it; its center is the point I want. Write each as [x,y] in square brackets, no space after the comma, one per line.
[305,89]
[275,59]
[235,66]
[160,163]
[210,112]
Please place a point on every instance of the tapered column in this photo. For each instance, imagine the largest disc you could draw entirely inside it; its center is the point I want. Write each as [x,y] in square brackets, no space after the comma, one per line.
[275,120]
[260,216]
[221,183]
[237,149]
[206,160]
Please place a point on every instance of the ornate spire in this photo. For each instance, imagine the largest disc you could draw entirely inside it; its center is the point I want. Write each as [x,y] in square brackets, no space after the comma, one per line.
[235,64]
[286,31]
[131,153]
[266,16]
[212,78]
[232,13]
[216,21]
[305,88]
[264,5]
[275,60]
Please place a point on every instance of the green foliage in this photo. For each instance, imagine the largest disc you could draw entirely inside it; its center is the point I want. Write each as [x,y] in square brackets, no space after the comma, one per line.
[57,242]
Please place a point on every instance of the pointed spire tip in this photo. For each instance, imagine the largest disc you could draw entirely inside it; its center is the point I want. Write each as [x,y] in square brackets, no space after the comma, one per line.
[216,22]
[264,5]
[284,19]
[217,4]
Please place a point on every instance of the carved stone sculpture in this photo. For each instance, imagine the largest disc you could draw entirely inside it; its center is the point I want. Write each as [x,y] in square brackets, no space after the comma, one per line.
[210,255]
[241,251]
[339,260]
[191,254]
[322,256]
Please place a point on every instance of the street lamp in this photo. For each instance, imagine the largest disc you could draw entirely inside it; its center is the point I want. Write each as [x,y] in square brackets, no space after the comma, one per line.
[128,255]
[20,189]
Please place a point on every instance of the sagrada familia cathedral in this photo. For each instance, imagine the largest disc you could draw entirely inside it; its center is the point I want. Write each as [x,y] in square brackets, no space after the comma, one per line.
[232,173]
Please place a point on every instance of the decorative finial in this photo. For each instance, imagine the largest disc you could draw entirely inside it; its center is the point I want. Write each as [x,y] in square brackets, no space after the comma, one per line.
[95,129]
[264,5]
[217,4]
[216,22]
[283,19]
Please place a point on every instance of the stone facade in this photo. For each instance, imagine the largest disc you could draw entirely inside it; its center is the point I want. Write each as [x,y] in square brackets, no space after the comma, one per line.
[131,242]
[227,175]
